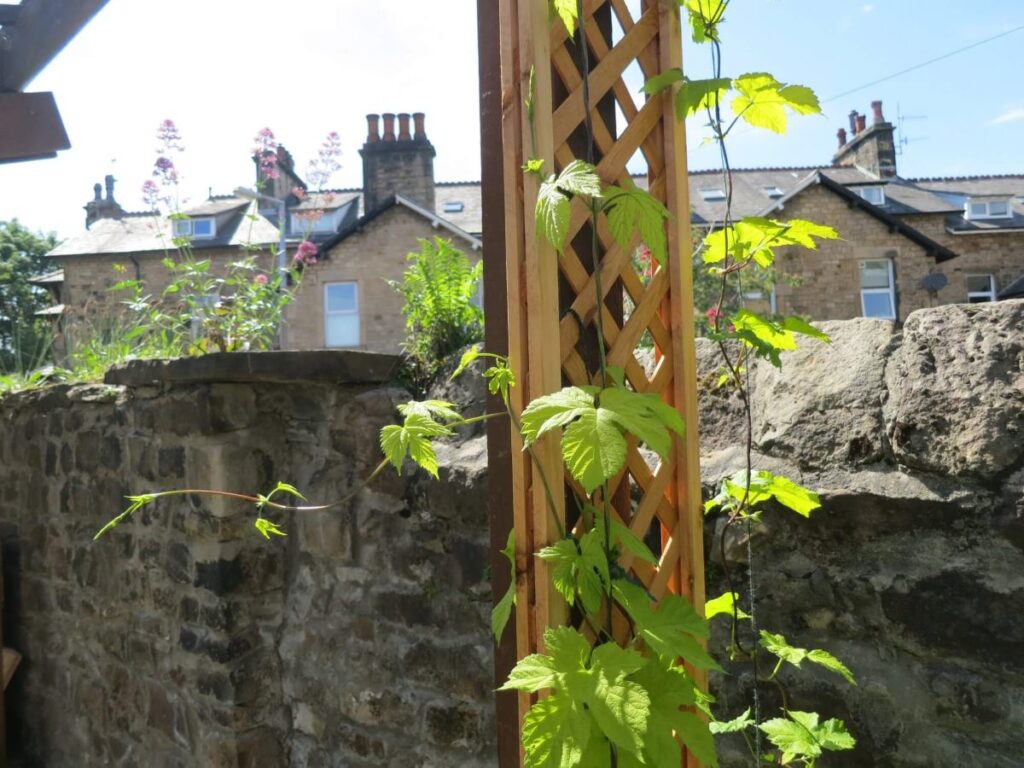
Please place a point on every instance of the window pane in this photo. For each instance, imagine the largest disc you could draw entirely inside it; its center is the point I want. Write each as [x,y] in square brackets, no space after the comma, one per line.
[998,209]
[878,305]
[342,330]
[873,195]
[979,283]
[342,297]
[978,209]
[874,274]
[181,227]
[202,227]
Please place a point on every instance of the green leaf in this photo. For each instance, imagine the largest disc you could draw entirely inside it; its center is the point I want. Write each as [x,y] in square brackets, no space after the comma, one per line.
[801,736]
[534,165]
[698,95]
[631,210]
[412,439]
[705,15]
[630,542]
[672,630]
[737,724]
[289,489]
[670,688]
[580,178]
[266,528]
[724,603]
[469,357]
[556,731]
[431,409]
[763,101]
[567,11]
[663,80]
[620,707]
[532,674]
[791,495]
[593,448]
[798,325]
[503,610]
[778,645]
[552,214]
[500,380]
[696,735]
[578,569]
[553,411]
[644,415]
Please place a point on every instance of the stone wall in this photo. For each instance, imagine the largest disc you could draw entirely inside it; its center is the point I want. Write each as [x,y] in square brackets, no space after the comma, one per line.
[183,638]
[361,639]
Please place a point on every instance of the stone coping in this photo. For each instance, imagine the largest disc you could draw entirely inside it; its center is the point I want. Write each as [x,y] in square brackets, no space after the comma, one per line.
[336,366]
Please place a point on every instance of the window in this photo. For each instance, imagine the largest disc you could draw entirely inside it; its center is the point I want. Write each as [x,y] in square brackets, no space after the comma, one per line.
[341,315]
[987,209]
[454,206]
[196,228]
[980,288]
[877,297]
[712,195]
[874,195]
[773,192]
[313,221]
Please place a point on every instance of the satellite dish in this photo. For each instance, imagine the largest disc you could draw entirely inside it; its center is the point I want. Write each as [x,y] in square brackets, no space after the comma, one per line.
[934,282]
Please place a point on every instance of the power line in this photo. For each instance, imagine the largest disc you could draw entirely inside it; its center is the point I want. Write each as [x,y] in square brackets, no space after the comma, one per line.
[924,64]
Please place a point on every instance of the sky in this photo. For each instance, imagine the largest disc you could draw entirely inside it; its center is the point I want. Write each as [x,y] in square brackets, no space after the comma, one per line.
[224,69]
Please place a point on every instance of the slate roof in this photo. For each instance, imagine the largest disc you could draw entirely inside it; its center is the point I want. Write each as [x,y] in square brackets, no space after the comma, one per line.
[1014,290]
[327,200]
[470,218]
[141,233]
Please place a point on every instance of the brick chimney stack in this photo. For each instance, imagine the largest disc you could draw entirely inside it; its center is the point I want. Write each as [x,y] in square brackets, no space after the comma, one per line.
[397,165]
[103,207]
[872,149]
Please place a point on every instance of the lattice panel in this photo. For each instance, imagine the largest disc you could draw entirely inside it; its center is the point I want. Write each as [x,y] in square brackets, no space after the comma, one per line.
[552,299]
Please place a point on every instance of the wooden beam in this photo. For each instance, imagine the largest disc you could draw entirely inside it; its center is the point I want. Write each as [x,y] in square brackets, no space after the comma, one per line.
[30,127]
[42,30]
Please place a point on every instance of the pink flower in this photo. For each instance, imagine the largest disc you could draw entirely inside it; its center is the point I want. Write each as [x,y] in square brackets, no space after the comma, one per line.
[325,164]
[306,253]
[164,170]
[169,137]
[261,279]
[265,148]
[299,192]
[151,194]
[714,314]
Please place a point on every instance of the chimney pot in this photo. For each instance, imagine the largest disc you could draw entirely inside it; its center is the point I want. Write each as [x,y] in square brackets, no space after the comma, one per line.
[862,123]
[97,190]
[842,137]
[877,107]
[372,129]
[110,186]
[389,126]
[853,122]
[403,127]
[418,119]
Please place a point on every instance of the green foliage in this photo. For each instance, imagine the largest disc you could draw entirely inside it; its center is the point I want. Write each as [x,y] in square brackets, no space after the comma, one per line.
[767,338]
[755,239]
[705,16]
[763,101]
[24,338]
[439,287]
[779,646]
[595,421]
[737,724]
[737,493]
[267,528]
[567,11]
[632,210]
[554,210]
[579,568]
[800,737]
[413,439]
[724,604]
[503,608]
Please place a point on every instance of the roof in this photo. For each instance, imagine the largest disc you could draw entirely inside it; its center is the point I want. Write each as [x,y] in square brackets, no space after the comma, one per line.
[470,218]
[50,278]
[56,309]
[152,232]
[388,204]
[1014,290]
[326,200]
[938,251]
[217,205]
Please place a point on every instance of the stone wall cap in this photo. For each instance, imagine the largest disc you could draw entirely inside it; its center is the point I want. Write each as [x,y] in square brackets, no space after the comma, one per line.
[335,366]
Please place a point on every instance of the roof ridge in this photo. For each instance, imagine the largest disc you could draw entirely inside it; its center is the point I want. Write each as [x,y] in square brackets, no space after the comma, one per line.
[456,183]
[980,177]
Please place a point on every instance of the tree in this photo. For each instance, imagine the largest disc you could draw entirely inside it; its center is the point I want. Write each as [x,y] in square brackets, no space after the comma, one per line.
[24,338]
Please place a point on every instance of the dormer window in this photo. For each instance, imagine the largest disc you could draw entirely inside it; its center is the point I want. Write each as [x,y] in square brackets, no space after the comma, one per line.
[712,195]
[773,192]
[987,209]
[454,206]
[313,222]
[197,229]
[874,195]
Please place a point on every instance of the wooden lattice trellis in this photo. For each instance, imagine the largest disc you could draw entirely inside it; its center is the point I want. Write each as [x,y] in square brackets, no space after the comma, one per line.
[552,300]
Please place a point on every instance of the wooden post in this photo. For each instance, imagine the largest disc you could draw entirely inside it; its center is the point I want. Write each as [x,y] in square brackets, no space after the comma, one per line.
[550,344]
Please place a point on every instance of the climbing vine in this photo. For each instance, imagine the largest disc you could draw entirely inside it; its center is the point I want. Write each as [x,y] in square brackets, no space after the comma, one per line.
[632,702]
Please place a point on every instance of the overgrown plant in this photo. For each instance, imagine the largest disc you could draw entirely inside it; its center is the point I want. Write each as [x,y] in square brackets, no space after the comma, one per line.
[630,702]
[441,289]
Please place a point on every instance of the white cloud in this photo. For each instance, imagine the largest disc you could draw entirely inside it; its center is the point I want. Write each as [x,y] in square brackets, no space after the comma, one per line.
[867,8]
[1010,116]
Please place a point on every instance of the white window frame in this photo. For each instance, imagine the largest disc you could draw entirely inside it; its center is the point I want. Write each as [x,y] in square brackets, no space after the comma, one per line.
[774,192]
[874,188]
[328,313]
[186,228]
[326,222]
[989,295]
[972,215]
[890,291]
[453,206]
[713,195]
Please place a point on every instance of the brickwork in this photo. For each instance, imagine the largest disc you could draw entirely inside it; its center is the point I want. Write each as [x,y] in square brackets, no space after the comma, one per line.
[828,279]
[370,258]
[398,167]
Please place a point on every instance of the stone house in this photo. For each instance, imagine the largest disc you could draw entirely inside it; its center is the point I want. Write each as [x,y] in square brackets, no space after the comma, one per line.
[906,243]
